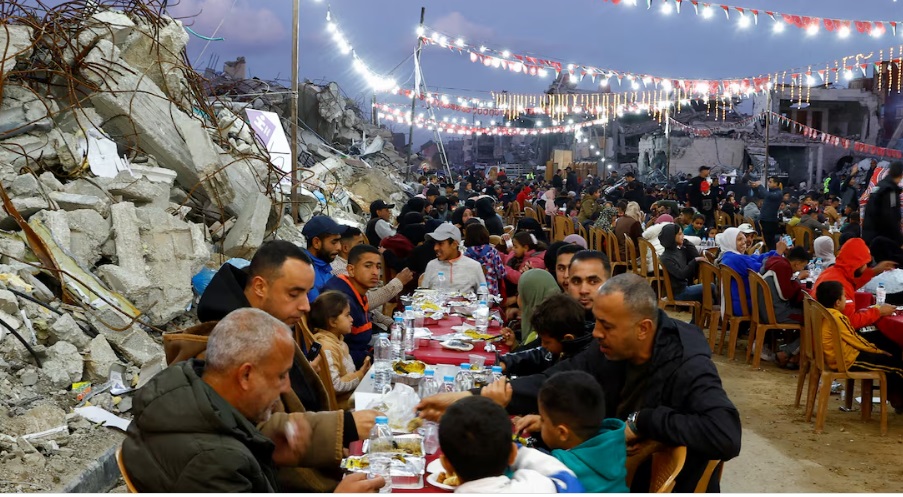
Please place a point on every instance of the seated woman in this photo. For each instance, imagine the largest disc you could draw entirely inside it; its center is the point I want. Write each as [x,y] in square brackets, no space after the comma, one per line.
[824,250]
[733,246]
[535,286]
[330,319]
[681,260]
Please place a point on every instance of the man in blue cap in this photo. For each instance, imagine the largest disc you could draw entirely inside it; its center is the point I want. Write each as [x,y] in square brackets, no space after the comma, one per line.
[323,244]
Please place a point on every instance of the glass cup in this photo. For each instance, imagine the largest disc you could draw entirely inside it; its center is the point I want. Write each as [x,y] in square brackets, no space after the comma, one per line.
[477,361]
[430,433]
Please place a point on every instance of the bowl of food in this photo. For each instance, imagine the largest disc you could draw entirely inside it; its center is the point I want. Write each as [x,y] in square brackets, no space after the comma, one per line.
[408,372]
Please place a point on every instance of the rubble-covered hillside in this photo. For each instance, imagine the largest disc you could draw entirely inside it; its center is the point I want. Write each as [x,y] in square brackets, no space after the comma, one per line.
[123,174]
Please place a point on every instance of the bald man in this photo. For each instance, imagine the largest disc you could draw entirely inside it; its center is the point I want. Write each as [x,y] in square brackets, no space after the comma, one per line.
[211,427]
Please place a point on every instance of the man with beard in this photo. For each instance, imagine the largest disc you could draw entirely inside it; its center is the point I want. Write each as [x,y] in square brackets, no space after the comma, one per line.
[323,245]
[703,195]
[225,436]
[364,266]
[657,374]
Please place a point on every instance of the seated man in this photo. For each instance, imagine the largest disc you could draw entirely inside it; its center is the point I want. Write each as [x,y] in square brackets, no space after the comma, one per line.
[322,234]
[277,282]
[364,265]
[475,438]
[462,274]
[558,321]
[211,427]
[787,296]
[673,396]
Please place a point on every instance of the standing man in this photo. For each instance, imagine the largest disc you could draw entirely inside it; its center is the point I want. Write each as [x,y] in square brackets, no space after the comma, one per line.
[364,266]
[323,235]
[379,227]
[881,219]
[462,274]
[703,196]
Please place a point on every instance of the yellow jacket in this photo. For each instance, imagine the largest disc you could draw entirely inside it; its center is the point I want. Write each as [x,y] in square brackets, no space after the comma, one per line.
[851,342]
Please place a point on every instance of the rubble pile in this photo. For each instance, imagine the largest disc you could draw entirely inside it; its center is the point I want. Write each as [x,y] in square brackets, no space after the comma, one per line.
[122,175]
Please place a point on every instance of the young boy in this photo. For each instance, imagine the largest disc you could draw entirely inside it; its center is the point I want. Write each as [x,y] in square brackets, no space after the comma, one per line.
[697,227]
[475,438]
[572,422]
[559,323]
[856,352]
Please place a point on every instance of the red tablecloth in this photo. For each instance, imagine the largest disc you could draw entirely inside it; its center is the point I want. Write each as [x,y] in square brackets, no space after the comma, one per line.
[890,326]
[431,352]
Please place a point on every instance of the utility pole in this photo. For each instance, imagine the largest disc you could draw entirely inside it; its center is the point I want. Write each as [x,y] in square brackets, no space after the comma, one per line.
[668,141]
[407,172]
[295,196]
[767,136]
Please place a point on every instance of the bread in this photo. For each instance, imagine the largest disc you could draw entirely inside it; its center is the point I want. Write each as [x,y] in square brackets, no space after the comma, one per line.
[446,479]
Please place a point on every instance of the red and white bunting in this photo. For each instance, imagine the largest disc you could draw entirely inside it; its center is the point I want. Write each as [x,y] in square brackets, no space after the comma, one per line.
[814,134]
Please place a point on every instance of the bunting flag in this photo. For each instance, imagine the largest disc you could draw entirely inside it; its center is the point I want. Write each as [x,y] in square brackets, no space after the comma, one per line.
[810,24]
[707,132]
[814,134]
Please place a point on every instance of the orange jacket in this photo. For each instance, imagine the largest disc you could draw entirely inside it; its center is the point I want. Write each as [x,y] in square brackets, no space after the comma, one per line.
[853,255]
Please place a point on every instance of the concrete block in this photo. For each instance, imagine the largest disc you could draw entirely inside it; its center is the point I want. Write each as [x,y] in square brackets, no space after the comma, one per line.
[25,185]
[11,247]
[50,182]
[8,302]
[15,41]
[58,225]
[116,24]
[129,249]
[99,358]
[247,235]
[84,187]
[89,231]
[136,189]
[65,329]
[74,201]
[133,343]
[27,207]
[64,365]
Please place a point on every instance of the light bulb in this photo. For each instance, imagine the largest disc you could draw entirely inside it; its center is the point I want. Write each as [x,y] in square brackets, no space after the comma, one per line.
[667,8]
[460,42]
[707,12]
[778,27]
[420,31]
[812,30]
[506,54]
[743,22]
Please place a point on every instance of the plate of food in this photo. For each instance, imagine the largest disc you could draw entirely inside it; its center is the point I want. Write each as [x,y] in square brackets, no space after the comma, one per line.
[443,480]
[456,344]
[409,367]
[435,466]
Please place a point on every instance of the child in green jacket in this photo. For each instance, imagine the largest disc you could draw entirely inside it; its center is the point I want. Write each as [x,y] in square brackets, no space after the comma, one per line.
[572,408]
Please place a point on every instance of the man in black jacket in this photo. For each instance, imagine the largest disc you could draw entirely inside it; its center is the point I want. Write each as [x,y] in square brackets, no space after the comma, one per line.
[703,195]
[881,221]
[657,374]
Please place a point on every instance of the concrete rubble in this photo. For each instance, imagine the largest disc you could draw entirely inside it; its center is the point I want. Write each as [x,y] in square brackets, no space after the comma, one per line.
[129,189]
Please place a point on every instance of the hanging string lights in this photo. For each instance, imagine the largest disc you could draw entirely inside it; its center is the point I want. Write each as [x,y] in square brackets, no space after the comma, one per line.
[376,81]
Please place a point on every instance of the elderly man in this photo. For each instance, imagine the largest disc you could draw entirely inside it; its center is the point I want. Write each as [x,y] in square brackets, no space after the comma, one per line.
[277,282]
[462,274]
[657,374]
[225,436]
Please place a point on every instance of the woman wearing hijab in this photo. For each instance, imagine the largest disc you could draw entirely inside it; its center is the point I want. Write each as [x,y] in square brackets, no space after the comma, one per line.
[628,225]
[534,286]
[681,260]
[606,218]
[733,246]
[824,250]
[533,226]
[460,216]
[485,208]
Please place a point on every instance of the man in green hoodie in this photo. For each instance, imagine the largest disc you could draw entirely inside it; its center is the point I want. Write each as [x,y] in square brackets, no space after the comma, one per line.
[572,423]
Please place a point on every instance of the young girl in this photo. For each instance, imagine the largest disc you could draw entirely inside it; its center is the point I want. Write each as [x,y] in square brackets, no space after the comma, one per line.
[526,253]
[330,319]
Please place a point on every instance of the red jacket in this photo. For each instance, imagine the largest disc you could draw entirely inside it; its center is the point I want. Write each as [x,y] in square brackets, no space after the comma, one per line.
[523,196]
[853,255]
[789,289]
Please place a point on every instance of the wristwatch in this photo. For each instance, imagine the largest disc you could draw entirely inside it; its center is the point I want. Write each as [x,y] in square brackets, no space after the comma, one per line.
[631,422]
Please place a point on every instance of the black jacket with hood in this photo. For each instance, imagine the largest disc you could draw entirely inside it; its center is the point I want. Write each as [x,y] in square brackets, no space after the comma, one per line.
[682,400]
[680,262]
[538,359]
[185,438]
[882,213]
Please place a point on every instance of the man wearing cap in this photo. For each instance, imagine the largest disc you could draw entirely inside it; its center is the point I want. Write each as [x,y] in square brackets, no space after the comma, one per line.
[462,274]
[749,232]
[379,227]
[703,195]
[323,244]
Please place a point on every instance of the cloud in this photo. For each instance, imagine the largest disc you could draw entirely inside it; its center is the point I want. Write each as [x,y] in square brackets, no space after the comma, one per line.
[242,24]
[455,24]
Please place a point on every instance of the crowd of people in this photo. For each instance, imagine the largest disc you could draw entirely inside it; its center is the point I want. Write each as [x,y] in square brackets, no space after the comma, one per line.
[257,396]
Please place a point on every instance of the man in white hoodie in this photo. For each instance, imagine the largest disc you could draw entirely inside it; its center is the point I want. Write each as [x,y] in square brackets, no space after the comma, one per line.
[475,438]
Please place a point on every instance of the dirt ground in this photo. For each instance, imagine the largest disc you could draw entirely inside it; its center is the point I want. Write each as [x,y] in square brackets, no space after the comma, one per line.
[781,452]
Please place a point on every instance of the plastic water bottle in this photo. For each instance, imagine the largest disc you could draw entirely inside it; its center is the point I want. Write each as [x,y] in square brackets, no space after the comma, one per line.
[428,385]
[881,294]
[483,293]
[408,317]
[380,453]
[397,339]
[409,338]
[818,268]
[448,384]
[441,284]
[464,378]
[481,316]
[382,364]
[497,373]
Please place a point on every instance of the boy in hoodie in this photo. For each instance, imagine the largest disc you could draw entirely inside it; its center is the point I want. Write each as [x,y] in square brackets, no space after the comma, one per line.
[475,438]
[559,322]
[573,424]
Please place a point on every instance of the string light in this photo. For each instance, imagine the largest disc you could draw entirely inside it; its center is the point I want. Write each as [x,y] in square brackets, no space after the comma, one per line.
[374,80]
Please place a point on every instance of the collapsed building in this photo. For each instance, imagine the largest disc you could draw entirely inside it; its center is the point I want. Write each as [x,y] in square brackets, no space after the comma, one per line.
[123,173]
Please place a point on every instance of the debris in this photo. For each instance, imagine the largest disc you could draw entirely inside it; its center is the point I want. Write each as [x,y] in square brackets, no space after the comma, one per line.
[247,235]
[64,364]
[99,359]
[98,415]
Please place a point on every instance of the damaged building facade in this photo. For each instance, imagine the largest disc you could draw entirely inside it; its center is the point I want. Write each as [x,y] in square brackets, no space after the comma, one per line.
[124,173]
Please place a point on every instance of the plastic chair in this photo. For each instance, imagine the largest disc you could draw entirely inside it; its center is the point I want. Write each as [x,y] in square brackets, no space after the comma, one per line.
[710,313]
[644,249]
[752,249]
[531,213]
[762,300]
[732,317]
[562,226]
[632,265]
[807,357]
[125,476]
[822,319]
[597,239]
[668,299]
[581,230]
[803,236]
[722,220]
[713,469]
[613,251]
[666,465]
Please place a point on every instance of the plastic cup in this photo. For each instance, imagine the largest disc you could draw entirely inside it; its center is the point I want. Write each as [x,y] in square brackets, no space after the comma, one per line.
[477,361]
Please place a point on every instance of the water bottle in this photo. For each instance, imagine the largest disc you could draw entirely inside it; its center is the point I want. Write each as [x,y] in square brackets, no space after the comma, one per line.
[481,316]
[397,339]
[382,364]
[428,385]
[497,373]
[409,338]
[818,268]
[441,284]
[380,454]
[408,318]
[448,384]
[483,293]
[464,378]
[881,294]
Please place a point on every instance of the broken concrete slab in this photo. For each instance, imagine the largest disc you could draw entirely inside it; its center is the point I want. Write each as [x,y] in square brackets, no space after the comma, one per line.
[99,358]
[247,235]
[11,248]
[27,207]
[137,189]
[73,201]
[50,182]
[25,185]
[64,365]
[65,329]
[89,231]
[15,42]
[133,342]
[58,224]
[129,248]
[42,418]
[8,302]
